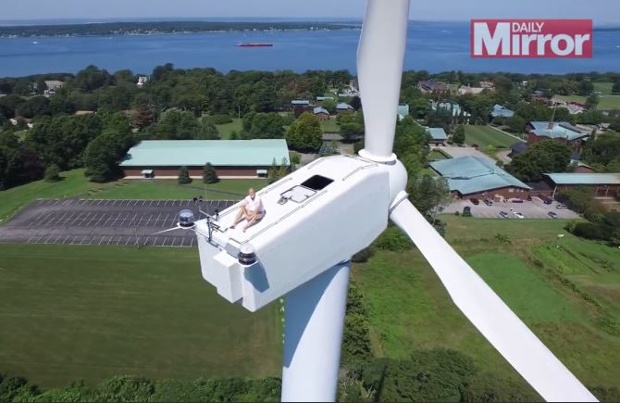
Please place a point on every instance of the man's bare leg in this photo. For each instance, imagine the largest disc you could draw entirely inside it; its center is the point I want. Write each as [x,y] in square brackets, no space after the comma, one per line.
[252,220]
[242,212]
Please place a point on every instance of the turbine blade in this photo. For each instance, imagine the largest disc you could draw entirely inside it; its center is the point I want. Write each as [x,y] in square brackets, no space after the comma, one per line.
[380,58]
[489,314]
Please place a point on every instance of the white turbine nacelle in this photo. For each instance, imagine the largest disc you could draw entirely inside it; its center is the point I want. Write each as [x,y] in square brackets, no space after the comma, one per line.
[297,239]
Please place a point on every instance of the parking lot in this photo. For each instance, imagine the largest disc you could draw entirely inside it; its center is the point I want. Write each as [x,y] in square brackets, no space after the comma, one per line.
[105,222]
[530,209]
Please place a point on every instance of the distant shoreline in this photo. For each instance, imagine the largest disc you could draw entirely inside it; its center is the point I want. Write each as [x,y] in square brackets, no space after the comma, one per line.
[163,27]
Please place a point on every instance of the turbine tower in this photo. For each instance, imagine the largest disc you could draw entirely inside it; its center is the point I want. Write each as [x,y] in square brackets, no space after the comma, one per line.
[319,216]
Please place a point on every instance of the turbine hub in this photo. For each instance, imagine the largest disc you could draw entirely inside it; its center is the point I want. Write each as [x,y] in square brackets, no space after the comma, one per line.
[397,174]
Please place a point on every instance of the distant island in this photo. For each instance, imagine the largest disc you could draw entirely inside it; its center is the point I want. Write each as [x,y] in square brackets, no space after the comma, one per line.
[162,27]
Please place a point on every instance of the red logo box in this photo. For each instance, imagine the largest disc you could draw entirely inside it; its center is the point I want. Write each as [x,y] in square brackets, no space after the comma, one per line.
[531,38]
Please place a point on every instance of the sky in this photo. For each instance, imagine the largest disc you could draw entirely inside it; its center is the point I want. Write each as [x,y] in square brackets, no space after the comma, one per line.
[601,11]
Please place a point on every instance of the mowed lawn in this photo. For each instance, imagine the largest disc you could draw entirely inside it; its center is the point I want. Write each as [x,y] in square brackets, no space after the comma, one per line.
[435,155]
[330,126]
[75,184]
[484,136]
[83,312]
[603,88]
[409,307]
[606,102]
[226,130]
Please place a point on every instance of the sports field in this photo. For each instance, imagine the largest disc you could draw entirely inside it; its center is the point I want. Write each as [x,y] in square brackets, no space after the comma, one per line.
[485,136]
[576,313]
[86,312]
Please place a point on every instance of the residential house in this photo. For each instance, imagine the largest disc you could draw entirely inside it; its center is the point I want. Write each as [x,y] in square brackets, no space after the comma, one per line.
[467,89]
[582,168]
[574,108]
[403,110]
[142,80]
[431,86]
[438,136]
[453,107]
[300,106]
[500,111]
[343,107]
[489,85]
[321,113]
[478,177]
[52,86]
[559,131]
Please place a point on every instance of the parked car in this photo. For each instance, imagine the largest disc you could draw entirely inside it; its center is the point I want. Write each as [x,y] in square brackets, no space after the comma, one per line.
[474,201]
[466,211]
[552,214]
[488,202]
[518,215]
[503,214]
[547,200]
[517,200]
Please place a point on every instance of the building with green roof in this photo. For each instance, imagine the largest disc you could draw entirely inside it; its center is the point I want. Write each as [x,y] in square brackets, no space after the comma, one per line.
[230,158]
[602,184]
[475,177]
[437,135]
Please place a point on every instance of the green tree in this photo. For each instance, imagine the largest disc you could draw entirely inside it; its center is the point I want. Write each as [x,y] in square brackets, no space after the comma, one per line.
[33,107]
[101,158]
[545,156]
[592,101]
[305,134]
[52,173]
[516,124]
[330,105]
[178,125]
[209,174]
[277,172]
[351,125]
[184,177]
[603,150]
[429,194]
[263,126]
[459,135]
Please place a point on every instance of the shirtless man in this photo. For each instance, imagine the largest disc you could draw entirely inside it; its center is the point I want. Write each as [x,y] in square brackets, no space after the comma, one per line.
[251,210]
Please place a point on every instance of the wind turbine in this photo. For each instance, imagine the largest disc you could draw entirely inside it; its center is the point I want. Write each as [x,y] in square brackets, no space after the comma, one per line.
[322,214]
[186,220]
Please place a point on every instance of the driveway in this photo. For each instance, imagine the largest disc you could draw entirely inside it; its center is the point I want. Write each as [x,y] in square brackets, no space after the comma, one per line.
[534,209]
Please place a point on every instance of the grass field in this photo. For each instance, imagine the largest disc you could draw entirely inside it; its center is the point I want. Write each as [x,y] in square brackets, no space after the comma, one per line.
[75,184]
[83,312]
[603,88]
[226,130]
[330,126]
[410,308]
[606,102]
[435,155]
[485,136]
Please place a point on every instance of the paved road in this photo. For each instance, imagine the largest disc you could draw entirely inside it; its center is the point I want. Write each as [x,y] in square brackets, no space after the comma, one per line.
[104,222]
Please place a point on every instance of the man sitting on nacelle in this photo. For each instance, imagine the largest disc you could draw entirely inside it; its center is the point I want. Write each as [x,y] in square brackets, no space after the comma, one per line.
[251,209]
